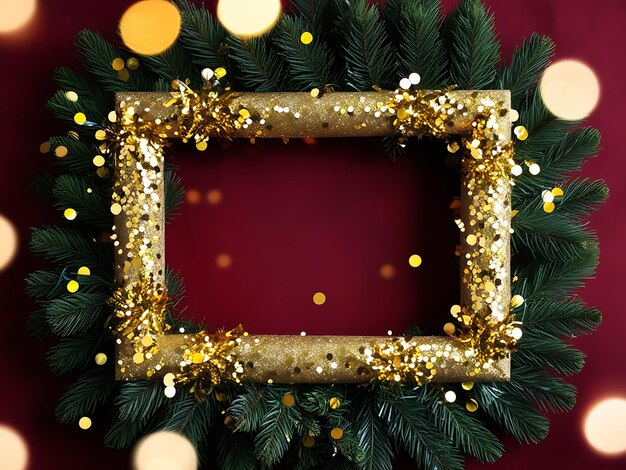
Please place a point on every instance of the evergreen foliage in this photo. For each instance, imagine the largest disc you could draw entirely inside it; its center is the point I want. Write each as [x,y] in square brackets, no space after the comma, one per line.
[357,46]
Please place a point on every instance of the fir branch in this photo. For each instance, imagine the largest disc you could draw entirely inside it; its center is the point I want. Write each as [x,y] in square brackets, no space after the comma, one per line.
[69,246]
[369,53]
[421,47]
[43,283]
[77,314]
[79,157]
[37,324]
[568,317]
[259,68]
[546,350]
[528,63]
[186,416]
[69,80]
[174,64]
[581,196]
[174,194]
[373,440]
[512,413]
[42,185]
[65,110]
[474,47]
[464,429]
[548,393]
[310,65]
[407,422]
[316,13]
[203,36]
[248,409]
[92,206]
[73,353]
[235,450]
[92,389]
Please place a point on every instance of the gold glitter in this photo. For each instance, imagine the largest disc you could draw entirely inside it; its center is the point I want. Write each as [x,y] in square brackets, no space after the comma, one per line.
[306,38]
[336,433]
[84,423]
[308,441]
[415,261]
[549,207]
[69,213]
[71,96]
[516,301]
[84,271]
[449,328]
[315,92]
[450,396]
[44,147]
[101,135]
[116,208]
[112,116]
[467,385]
[117,64]
[123,75]
[220,72]
[98,160]
[288,400]
[132,63]
[521,132]
[202,146]
[101,359]
[319,298]
[61,151]
[72,286]
[334,403]
[80,118]
[471,405]
[557,192]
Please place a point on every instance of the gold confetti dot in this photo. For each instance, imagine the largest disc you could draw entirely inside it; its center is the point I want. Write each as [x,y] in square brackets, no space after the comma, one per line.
[170,392]
[192,196]
[549,207]
[471,239]
[202,145]
[534,169]
[336,433]
[453,147]
[223,261]
[557,192]
[467,385]
[387,271]
[450,396]
[84,271]
[315,92]
[197,358]
[334,403]
[288,400]
[102,172]
[306,38]
[71,96]
[244,113]
[147,341]
[138,358]
[70,214]
[117,64]
[168,379]
[72,286]
[61,151]
[455,310]
[415,261]
[521,132]
[132,63]
[44,147]
[220,72]
[319,298]
[84,423]
[214,196]
[101,359]
[123,75]
[101,135]
[98,160]
[112,117]
[516,301]
[402,114]
[116,208]
[449,328]
[471,405]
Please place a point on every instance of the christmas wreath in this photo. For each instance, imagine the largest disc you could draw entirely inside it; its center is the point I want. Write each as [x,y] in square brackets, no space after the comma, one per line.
[357,47]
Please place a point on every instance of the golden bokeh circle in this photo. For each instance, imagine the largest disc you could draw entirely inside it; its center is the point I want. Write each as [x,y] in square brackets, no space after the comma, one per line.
[8,242]
[415,260]
[165,450]
[13,449]
[605,426]
[14,14]
[149,27]
[223,261]
[248,18]
[319,298]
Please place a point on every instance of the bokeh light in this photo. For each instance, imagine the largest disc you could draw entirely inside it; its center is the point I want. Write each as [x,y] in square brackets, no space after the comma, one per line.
[223,261]
[15,13]
[387,271]
[570,89]
[192,196]
[8,242]
[605,426]
[149,27]
[13,449]
[319,298]
[248,18]
[165,451]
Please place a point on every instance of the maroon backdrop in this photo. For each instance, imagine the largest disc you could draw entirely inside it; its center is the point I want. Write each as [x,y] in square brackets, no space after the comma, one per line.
[302,218]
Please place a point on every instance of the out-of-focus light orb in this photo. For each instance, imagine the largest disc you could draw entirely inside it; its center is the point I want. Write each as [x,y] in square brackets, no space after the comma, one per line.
[605,426]
[149,27]
[570,89]
[13,449]
[165,451]
[15,13]
[248,18]
[8,242]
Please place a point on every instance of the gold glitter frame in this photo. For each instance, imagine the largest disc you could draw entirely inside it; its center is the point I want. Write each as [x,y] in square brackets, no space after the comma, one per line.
[476,349]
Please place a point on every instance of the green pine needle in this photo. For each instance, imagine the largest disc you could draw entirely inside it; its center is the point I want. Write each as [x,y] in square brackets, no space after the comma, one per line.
[92,389]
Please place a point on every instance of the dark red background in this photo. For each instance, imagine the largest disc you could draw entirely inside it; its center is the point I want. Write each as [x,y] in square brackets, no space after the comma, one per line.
[301,218]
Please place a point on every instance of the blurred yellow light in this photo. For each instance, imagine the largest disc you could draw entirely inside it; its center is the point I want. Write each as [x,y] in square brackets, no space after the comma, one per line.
[319,298]
[165,451]
[8,242]
[248,18]
[223,261]
[13,449]
[415,260]
[149,27]
[570,89]
[15,13]
[605,426]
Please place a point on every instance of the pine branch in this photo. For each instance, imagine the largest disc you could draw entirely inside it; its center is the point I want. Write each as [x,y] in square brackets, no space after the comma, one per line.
[43,283]
[73,353]
[548,393]
[65,110]
[69,246]
[516,415]
[474,47]
[581,196]
[421,47]
[368,51]
[235,450]
[528,63]
[79,157]
[248,409]
[186,416]
[174,64]
[92,390]
[465,430]
[69,80]
[310,65]
[373,439]
[568,317]
[545,350]
[316,13]
[174,194]
[77,314]
[407,422]
[42,186]
[258,66]
[92,206]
